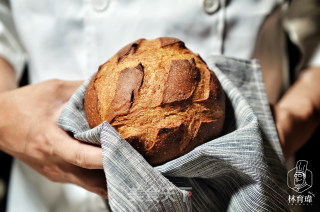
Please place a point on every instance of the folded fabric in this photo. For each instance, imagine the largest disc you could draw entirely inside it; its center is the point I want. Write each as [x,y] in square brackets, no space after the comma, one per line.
[243,170]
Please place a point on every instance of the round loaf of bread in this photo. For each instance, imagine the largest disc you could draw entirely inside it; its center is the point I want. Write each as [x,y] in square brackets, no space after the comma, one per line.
[159,96]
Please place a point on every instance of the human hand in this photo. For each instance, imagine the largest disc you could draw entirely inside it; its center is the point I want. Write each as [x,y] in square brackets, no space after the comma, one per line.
[28,131]
[297,114]
[287,123]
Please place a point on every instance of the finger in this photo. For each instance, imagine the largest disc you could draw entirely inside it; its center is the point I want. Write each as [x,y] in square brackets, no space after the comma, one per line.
[61,92]
[75,152]
[62,172]
[91,180]
[52,173]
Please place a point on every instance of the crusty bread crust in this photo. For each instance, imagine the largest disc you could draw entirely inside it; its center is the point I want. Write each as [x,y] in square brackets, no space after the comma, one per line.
[159,96]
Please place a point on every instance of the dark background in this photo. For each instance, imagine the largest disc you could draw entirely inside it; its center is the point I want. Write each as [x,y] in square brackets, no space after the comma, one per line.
[310,153]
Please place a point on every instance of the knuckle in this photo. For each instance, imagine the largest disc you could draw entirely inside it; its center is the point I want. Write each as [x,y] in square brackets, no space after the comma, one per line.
[56,84]
[43,144]
[37,145]
[50,173]
[54,179]
[102,192]
[55,174]
[80,159]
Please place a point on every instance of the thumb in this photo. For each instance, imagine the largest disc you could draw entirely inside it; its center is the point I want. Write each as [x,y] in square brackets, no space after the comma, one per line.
[65,90]
[69,87]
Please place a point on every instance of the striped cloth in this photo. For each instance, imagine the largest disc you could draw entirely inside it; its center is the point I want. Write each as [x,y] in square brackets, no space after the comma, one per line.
[243,170]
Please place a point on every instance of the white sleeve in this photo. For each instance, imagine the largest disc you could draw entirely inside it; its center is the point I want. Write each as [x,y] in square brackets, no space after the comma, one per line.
[315,59]
[10,47]
[302,23]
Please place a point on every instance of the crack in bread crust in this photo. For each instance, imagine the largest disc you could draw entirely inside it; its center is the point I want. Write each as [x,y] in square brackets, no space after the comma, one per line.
[167,41]
[128,85]
[181,72]
[130,48]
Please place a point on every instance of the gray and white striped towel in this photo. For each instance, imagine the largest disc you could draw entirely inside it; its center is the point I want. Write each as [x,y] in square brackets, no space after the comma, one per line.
[243,170]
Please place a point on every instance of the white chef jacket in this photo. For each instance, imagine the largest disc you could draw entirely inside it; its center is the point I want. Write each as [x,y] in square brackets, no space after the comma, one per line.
[70,39]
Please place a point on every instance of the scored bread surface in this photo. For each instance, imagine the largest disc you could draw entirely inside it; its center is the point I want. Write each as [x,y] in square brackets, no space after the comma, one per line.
[159,96]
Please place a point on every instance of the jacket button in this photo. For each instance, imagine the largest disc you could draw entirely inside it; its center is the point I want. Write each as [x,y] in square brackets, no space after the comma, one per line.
[211,6]
[100,5]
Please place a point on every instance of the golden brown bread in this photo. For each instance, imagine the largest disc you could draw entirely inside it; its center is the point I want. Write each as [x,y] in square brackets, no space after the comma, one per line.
[159,96]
